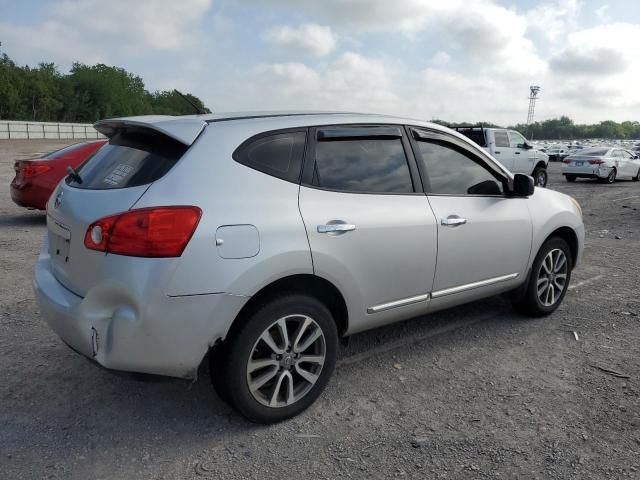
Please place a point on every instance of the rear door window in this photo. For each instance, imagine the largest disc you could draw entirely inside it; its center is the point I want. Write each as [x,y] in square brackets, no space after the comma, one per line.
[501,137]
[362,162]
[131,158]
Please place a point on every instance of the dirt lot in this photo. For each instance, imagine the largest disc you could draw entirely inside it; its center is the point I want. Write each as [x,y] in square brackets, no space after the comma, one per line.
[474,392]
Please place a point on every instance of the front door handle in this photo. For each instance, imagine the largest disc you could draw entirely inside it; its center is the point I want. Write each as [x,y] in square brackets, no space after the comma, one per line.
[453,221]
[336,228]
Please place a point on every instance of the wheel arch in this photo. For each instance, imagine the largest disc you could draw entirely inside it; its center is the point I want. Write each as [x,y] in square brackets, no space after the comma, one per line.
[308,284]
[569,236]
[540,164]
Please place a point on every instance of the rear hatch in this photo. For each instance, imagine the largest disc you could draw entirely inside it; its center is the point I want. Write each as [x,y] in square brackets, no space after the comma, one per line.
[109,182]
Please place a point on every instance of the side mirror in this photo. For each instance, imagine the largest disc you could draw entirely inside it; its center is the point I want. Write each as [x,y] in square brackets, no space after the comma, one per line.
[522,185]
[526,146]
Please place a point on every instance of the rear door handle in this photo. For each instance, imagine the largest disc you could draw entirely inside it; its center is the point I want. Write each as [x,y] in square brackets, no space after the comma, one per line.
[517,153]
[453,221]
[336,228]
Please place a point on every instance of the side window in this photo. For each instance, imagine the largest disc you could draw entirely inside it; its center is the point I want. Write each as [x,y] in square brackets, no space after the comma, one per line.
[626,154]
[365,165]
[452,172]
[515,139]
[617,154]
[278,154]
[502,140]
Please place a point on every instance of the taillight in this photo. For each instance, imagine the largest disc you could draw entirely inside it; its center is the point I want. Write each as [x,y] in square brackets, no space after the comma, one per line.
[596,161]
[146,232]
[566,160]
[31,169]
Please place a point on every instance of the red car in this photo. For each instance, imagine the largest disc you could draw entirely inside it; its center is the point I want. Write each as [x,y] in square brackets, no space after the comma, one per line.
[35,179]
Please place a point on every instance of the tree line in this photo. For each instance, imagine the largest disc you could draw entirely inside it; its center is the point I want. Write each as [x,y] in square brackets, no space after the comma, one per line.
[91,92]
[86,94]
[564,128]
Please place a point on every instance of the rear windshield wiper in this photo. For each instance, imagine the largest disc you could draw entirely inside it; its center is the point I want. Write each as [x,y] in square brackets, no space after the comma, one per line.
[75,176]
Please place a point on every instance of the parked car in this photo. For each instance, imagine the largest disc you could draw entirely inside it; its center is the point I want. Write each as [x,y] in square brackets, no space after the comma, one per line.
[512,150]
[260,239]
[604,163]
[558,154]
[36,178]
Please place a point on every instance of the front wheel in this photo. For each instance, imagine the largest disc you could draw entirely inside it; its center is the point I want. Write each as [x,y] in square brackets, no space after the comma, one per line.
[540,176]
[548,280]
[637,177]
[279,362]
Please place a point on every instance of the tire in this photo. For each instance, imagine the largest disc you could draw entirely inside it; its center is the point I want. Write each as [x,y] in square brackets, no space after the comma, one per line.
[611,178]
[281,366]
[540,177]
[534,302]
[570,178]
[637,177]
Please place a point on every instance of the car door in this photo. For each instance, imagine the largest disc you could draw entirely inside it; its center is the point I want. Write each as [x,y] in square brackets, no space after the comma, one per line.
[524,158]
[627,167]
[502,149]
[484,236]
[370,228]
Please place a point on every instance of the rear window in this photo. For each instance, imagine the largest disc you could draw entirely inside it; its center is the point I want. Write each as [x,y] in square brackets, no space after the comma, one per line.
[130,159]
[592,152]
[63,151]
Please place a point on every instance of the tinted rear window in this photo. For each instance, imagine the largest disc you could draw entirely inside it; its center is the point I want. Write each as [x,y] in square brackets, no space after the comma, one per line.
[278,154]
[63,151]
[131,158]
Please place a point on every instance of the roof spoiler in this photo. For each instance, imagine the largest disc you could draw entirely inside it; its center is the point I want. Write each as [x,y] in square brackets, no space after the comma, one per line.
[184,130]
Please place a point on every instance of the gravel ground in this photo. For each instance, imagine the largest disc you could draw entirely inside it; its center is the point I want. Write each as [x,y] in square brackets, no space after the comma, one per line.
[473,392]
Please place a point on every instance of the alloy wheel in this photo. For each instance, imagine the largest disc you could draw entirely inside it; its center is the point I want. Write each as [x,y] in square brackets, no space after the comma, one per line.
[552,277]
[286,361]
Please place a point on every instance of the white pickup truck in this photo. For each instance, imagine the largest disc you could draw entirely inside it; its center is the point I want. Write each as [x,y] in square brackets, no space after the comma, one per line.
[511,149]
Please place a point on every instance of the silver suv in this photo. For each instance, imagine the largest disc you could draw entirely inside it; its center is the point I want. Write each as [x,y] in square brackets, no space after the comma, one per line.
[257,240]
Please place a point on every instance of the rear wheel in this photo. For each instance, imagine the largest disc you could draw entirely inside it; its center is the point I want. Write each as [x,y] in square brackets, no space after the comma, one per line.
[570,178]
[548,280]
[611,178]
[540,176]
[279,362]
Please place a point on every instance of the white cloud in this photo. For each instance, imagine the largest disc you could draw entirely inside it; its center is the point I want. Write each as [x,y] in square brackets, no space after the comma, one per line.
[555,18]
[95,30]
[440,58]
[316,39]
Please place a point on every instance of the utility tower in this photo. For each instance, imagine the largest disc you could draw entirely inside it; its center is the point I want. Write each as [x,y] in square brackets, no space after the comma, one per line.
[533,96]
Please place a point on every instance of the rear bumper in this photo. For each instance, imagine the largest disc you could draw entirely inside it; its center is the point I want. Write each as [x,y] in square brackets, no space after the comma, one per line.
[30,195]
[590,171]
[160,335]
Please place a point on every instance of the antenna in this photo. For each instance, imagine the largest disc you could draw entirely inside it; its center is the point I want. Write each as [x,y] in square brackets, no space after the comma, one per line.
[198,110]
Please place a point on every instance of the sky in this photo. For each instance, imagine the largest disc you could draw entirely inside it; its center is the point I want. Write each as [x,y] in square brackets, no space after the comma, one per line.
[456,60]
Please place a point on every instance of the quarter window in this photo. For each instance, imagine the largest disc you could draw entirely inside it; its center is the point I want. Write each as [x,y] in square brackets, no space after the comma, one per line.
[279,154]
[501,137]
[362,165]
[452,172]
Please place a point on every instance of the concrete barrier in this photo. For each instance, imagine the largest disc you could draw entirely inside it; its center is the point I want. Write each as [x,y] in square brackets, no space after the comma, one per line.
[13,129]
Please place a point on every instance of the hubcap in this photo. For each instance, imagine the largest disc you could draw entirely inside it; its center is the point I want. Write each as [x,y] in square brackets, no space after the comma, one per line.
[286,361]
[552,277]
[541,179]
